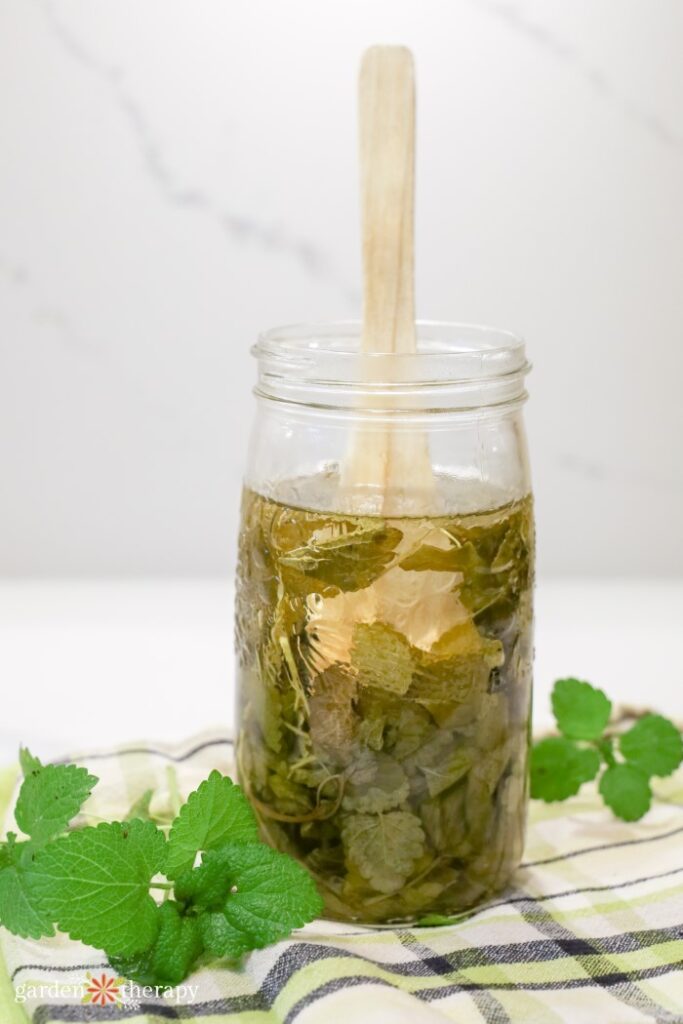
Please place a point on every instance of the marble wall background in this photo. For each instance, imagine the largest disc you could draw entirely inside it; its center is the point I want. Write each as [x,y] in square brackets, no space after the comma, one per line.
[175,175]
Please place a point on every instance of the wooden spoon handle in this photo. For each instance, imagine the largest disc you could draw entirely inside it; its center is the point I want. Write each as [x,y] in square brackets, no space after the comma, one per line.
[387,470]
[387,160]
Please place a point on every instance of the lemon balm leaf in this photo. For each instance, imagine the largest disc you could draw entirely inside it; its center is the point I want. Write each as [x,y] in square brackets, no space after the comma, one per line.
[27,762]
[252,896]
[50,796]
[653,745]
[350,561]
[375,783]
[581,710]
[19,912]
[172,957]
[94,884]
[382,657]
[384,847]
[626,790]
[559,768]
[217,812]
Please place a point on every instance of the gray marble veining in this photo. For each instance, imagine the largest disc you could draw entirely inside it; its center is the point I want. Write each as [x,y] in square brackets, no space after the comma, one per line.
[238,227]
[513,15]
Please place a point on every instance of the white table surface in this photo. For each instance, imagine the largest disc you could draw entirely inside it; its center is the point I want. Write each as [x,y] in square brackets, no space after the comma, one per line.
[85,664]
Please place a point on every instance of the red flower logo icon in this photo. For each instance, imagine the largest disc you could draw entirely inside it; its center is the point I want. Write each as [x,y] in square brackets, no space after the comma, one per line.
[103,991]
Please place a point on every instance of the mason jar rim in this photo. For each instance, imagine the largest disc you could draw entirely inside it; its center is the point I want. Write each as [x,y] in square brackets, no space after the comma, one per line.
[338,341]
[459,365]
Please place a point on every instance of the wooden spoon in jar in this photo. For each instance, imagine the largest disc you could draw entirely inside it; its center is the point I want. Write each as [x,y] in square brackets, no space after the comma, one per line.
[389,466]
[387,470]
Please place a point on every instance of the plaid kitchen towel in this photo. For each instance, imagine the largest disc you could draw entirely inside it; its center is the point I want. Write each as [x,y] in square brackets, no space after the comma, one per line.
[590,932]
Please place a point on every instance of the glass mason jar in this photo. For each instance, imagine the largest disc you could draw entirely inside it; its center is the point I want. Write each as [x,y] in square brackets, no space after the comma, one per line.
[384,615]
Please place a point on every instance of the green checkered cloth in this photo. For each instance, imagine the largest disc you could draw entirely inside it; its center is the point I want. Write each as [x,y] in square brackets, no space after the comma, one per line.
[589,932]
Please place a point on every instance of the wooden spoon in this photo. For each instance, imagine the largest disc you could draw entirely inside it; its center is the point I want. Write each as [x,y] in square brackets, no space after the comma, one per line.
[387,471]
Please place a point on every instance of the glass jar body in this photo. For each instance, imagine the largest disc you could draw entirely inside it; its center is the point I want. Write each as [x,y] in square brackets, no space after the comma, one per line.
[384,644]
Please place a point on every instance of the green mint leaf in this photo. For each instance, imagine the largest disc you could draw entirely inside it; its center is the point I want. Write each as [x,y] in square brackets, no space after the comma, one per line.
[94,883]
[383,847]
[251,897]
[27,762]
[559,768]
[582,711]
[171,959]
[653,744]
[217,812]
[626,790]
[50,797]
[19,912]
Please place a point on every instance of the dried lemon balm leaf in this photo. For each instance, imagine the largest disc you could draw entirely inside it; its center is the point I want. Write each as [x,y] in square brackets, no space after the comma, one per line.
[441,762]
[385,693]
[375,783]
[384,847]
[350,561]
[382,657]
[332,720]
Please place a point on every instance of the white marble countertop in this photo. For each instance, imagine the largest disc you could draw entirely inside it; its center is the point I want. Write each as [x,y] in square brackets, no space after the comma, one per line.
[95,663]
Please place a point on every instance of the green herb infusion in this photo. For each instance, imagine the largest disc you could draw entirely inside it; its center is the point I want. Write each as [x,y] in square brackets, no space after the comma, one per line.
[385,693]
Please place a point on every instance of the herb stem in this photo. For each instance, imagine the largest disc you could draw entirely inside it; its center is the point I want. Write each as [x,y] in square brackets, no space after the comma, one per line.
[604,746]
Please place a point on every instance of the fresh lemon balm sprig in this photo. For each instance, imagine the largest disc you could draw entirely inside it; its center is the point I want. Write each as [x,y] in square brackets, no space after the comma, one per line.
[95,883]
[585,749]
